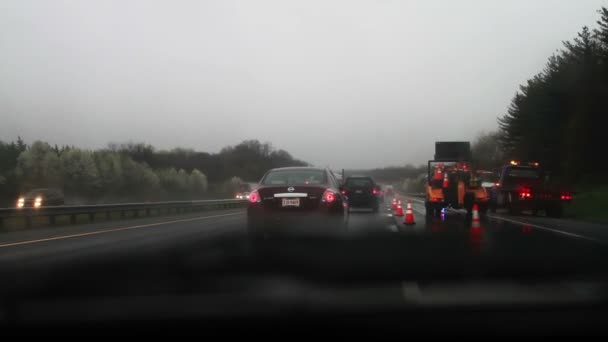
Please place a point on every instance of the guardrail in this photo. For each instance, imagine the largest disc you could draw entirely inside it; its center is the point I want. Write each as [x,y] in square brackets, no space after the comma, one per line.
[123,208]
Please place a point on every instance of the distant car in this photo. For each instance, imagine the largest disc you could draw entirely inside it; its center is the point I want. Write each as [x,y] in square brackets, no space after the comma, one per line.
[488,179]
[380,193]
[361,191]
[244,190]
[298,197]
[389,193]
[41,198]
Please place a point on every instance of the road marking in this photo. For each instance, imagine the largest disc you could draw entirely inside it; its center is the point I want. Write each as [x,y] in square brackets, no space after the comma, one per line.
[411,291]
[61,237]
[393,228]
[557,231]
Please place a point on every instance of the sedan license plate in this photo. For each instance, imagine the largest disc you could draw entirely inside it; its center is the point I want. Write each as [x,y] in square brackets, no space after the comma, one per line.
[291,202]
[359,191]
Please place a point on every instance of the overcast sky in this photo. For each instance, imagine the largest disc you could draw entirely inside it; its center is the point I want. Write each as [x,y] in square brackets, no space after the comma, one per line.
[339,83]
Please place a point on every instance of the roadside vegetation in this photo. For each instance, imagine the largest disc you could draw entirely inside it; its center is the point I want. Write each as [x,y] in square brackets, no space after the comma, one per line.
[132,172]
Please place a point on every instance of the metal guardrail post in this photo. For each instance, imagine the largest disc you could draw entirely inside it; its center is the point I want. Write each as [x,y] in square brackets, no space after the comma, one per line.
[92,217]
[73,219]
[51,219]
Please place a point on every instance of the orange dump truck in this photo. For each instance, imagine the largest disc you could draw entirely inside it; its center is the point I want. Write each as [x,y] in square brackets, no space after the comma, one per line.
[452,182]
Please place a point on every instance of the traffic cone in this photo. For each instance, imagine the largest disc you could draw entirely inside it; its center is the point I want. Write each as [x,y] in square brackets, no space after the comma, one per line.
[394,204]
[476,222]
[399,211]
[409,214]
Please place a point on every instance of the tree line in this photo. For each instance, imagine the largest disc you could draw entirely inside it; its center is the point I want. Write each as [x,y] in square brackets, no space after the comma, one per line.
[133,171]
[558,116]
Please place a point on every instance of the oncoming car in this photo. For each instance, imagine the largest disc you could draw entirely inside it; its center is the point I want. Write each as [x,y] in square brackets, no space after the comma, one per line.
[41,198]
[244,190]
[303,199]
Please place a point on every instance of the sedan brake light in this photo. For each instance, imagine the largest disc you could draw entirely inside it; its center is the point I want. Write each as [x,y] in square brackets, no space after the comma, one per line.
[254,197]
[329,196]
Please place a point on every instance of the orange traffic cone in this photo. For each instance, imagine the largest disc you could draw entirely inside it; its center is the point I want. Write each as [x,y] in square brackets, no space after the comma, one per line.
[394,204]
[409,214]
[399,211]
[476,223]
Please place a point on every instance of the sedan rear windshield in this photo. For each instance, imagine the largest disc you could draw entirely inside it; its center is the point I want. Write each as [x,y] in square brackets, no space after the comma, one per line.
[359,182]
[295,177]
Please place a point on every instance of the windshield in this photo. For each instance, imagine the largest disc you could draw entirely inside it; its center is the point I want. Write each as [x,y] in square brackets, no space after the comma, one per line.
[295,177]
[233,157]
[523,173]
[359,182]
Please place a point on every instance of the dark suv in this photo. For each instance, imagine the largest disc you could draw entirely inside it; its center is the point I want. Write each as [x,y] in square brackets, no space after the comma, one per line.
[362,192]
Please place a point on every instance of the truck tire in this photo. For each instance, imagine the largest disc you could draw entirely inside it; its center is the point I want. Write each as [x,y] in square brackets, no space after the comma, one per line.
[469,199]
[428,208]
[493,206]
[514,209]
[483,209]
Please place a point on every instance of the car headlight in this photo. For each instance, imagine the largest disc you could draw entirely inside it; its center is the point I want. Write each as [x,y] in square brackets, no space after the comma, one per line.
[20,202]
[38,202]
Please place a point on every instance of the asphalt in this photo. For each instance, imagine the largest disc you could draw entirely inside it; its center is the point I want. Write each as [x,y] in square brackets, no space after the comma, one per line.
[58,246]
[144,267]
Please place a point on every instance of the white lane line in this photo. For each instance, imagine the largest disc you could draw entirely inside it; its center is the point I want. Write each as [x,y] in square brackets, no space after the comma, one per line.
[61,237]
[411,291]
[557,231]
[393,228]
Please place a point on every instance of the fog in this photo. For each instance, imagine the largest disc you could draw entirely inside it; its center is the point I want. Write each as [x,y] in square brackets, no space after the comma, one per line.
[347,84]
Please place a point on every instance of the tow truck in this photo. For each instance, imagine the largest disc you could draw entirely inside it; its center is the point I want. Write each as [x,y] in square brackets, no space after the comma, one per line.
[525,186]
[451,180]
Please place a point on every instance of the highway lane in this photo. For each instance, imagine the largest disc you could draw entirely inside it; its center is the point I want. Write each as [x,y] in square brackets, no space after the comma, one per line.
[58,246]
[207,254]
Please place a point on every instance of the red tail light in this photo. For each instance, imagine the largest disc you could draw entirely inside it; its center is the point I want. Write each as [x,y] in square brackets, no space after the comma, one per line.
[525,193]
[343,192]
[254,197]
[374,191]
[329,196]
[566,196]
